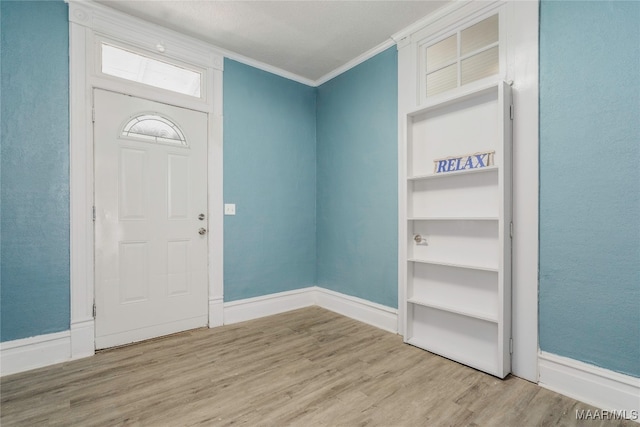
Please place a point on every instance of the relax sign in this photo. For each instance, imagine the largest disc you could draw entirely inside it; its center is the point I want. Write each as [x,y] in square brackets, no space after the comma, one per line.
[467,161]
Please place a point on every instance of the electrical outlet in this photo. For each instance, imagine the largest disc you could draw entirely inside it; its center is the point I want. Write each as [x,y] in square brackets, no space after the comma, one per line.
[229,209]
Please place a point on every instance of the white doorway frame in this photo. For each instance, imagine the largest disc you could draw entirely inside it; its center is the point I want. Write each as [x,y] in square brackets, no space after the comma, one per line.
[89,23]
[521,43]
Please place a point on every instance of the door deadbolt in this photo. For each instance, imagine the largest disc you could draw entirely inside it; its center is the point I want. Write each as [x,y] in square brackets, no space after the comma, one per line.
[201,217]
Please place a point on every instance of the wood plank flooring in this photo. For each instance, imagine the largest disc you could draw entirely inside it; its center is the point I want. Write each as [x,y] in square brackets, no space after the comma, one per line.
[308,367]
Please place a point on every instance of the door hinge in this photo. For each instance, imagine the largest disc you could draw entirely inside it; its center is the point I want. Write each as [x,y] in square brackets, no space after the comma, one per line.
[93,115]
[511,111]
[510,345]
[94,310]
[94,214]
[510,229]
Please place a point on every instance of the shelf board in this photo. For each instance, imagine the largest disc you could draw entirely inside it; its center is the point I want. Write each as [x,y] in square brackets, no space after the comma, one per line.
[453,265]
[451,309]
[454,173]
[452,218]
[454,97]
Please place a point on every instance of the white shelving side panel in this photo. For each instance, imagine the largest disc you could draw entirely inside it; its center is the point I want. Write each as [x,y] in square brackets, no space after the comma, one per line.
[458,192]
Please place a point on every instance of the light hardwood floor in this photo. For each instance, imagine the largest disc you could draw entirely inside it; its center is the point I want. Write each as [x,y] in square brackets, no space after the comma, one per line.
[308,367]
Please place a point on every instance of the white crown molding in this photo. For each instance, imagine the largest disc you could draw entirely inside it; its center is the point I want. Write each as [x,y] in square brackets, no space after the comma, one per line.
[266,67]
[590,384]
[118,25]
[34,352]
[355,62]
[444,17]
[441,13]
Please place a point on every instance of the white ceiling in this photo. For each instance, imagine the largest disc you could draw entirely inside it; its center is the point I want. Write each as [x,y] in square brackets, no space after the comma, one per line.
[308,39]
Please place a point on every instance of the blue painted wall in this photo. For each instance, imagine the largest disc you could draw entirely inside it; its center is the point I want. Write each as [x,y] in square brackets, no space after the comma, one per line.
[589,195]
[357,203]
[270,174]
[34,290]
[589,182]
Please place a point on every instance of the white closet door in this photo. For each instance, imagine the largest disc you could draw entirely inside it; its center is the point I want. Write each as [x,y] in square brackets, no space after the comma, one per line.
[458,266]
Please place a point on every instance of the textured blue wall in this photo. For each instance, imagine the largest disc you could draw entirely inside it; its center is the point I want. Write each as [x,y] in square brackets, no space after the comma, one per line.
[589,182]
[35,169]
[357,202]
[270,174]
[589,196]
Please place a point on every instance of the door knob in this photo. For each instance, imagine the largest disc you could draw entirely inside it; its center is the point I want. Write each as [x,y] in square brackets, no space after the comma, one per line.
[202,231]
[420,240]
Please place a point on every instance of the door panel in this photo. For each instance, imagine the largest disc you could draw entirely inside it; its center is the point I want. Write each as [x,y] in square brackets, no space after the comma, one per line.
[151,262]
[458,244]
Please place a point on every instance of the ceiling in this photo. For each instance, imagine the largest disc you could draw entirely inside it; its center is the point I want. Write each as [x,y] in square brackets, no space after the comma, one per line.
[309,39]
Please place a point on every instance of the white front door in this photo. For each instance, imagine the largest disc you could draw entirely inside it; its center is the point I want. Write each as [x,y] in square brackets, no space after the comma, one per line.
[150,219]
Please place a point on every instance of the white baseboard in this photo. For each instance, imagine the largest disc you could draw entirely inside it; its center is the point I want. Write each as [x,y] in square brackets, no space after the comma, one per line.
[267,305]
[34,352]
[602,388]
[377,315]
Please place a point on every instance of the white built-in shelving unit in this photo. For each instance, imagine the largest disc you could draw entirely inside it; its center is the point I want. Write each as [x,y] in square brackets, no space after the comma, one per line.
[457,293]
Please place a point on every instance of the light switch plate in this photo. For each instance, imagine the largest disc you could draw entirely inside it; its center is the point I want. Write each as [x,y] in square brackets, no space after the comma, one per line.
[229,209]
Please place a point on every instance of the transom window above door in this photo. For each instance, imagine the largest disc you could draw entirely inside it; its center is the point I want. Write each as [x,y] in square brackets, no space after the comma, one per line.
[136,67]
[468,55]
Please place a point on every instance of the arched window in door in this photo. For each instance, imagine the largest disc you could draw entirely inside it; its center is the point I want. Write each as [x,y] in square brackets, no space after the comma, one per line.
[152,127]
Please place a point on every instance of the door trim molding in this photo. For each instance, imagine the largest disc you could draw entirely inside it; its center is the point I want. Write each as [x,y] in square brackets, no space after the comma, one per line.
[87,22]
[521,48]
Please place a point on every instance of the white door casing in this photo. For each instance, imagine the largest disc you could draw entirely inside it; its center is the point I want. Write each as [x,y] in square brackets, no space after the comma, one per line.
[521,59]
[88,23]
[150,260]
